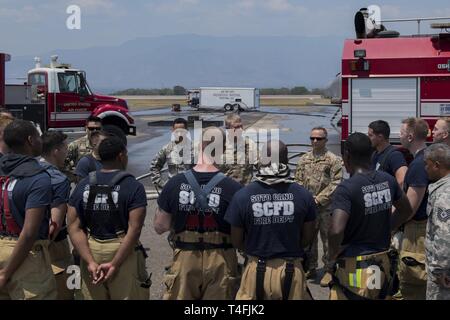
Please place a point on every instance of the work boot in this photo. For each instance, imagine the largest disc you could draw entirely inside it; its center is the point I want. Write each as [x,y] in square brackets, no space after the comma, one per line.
[311,274]
[326,279]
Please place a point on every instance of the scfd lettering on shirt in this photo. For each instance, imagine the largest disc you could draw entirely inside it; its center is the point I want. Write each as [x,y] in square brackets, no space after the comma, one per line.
[186,198]
[273,208]
[377,198]
[101,199]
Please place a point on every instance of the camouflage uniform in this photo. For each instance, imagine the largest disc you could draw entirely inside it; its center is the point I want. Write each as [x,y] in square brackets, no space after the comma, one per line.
[172,154]
[239,165]
[437,243]
[76,150]
[320,175]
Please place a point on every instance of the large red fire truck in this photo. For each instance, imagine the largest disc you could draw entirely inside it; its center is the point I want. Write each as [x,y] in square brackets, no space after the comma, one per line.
[391,77]
[59,97]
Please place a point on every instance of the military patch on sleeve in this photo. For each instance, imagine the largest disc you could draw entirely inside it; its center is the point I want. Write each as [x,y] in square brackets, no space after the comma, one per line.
[443,214]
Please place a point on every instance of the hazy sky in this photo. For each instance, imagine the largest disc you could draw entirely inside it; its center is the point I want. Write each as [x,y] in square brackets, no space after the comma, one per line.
[29,27]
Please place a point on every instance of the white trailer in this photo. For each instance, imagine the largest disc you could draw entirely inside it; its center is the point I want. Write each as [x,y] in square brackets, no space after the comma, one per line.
[229,98]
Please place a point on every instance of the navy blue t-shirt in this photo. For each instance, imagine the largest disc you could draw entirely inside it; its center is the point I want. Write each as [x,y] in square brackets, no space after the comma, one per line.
[272,218]
[177,199]
[60,192]
[86,165]
[129,194]
[394,161]
[367,199]
[31,192]
[416,176]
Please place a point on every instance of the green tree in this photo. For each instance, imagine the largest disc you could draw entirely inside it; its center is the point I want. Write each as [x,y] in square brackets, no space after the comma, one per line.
[299,91]
[179,91]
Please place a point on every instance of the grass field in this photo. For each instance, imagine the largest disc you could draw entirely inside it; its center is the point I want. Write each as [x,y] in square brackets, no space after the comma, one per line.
[143,103]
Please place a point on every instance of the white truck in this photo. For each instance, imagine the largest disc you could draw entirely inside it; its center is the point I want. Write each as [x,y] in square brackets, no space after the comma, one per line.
[227,98]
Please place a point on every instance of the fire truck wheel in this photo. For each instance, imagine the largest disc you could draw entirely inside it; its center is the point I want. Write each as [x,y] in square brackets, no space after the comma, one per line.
[116,131]
[116,122]
[228,107]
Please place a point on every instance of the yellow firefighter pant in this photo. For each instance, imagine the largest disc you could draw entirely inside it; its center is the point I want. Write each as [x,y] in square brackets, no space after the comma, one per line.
[61,259]
[202,275]
[273,281]
[34,278]
[413,279]
[128,281]
[365,282]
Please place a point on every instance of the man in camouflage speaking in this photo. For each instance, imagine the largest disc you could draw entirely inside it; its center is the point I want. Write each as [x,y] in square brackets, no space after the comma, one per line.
[172,154]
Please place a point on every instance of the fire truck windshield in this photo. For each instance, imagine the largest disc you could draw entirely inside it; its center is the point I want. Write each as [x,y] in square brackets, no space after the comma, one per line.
[73,82]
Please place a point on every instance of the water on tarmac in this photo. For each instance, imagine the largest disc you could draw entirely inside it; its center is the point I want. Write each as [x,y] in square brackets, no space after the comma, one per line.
[294,126]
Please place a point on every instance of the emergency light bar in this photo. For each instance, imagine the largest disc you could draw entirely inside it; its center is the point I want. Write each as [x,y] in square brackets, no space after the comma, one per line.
[360,53]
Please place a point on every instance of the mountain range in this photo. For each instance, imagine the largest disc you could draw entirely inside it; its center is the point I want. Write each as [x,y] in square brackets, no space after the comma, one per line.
[194,61]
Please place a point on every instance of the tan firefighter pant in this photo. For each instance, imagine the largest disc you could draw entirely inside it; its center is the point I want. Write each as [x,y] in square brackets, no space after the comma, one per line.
[34,278]
[413,277]
[273,281]
[129,281]
[61,259]
[202,274]
[357,275]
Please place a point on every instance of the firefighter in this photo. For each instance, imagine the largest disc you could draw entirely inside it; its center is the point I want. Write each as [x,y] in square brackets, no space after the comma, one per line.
[4,121]
[91,161]
[437,243]
[412,273]
[6,113]
[386,157]
[272,220]
[173,154]
[81,147]
[240,152]
[441,131]
[25,269]
[361,225]
[105,218]
[54,152]
[192,205]
[319,171]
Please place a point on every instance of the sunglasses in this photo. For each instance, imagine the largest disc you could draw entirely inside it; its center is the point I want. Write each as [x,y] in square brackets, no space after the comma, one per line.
[94,129]
[316,138]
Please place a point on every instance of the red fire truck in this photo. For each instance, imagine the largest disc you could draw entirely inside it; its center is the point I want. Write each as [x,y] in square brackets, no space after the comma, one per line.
[391,77]
[59,97]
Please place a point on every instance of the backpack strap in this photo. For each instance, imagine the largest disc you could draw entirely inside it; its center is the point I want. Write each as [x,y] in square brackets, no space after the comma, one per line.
[198,191]
[193,182]
[93,178]
[8,224]
[119,177]
[95,189]
[214,182]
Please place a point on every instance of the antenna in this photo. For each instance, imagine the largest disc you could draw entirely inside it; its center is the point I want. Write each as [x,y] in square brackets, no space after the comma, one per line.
[37,60]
